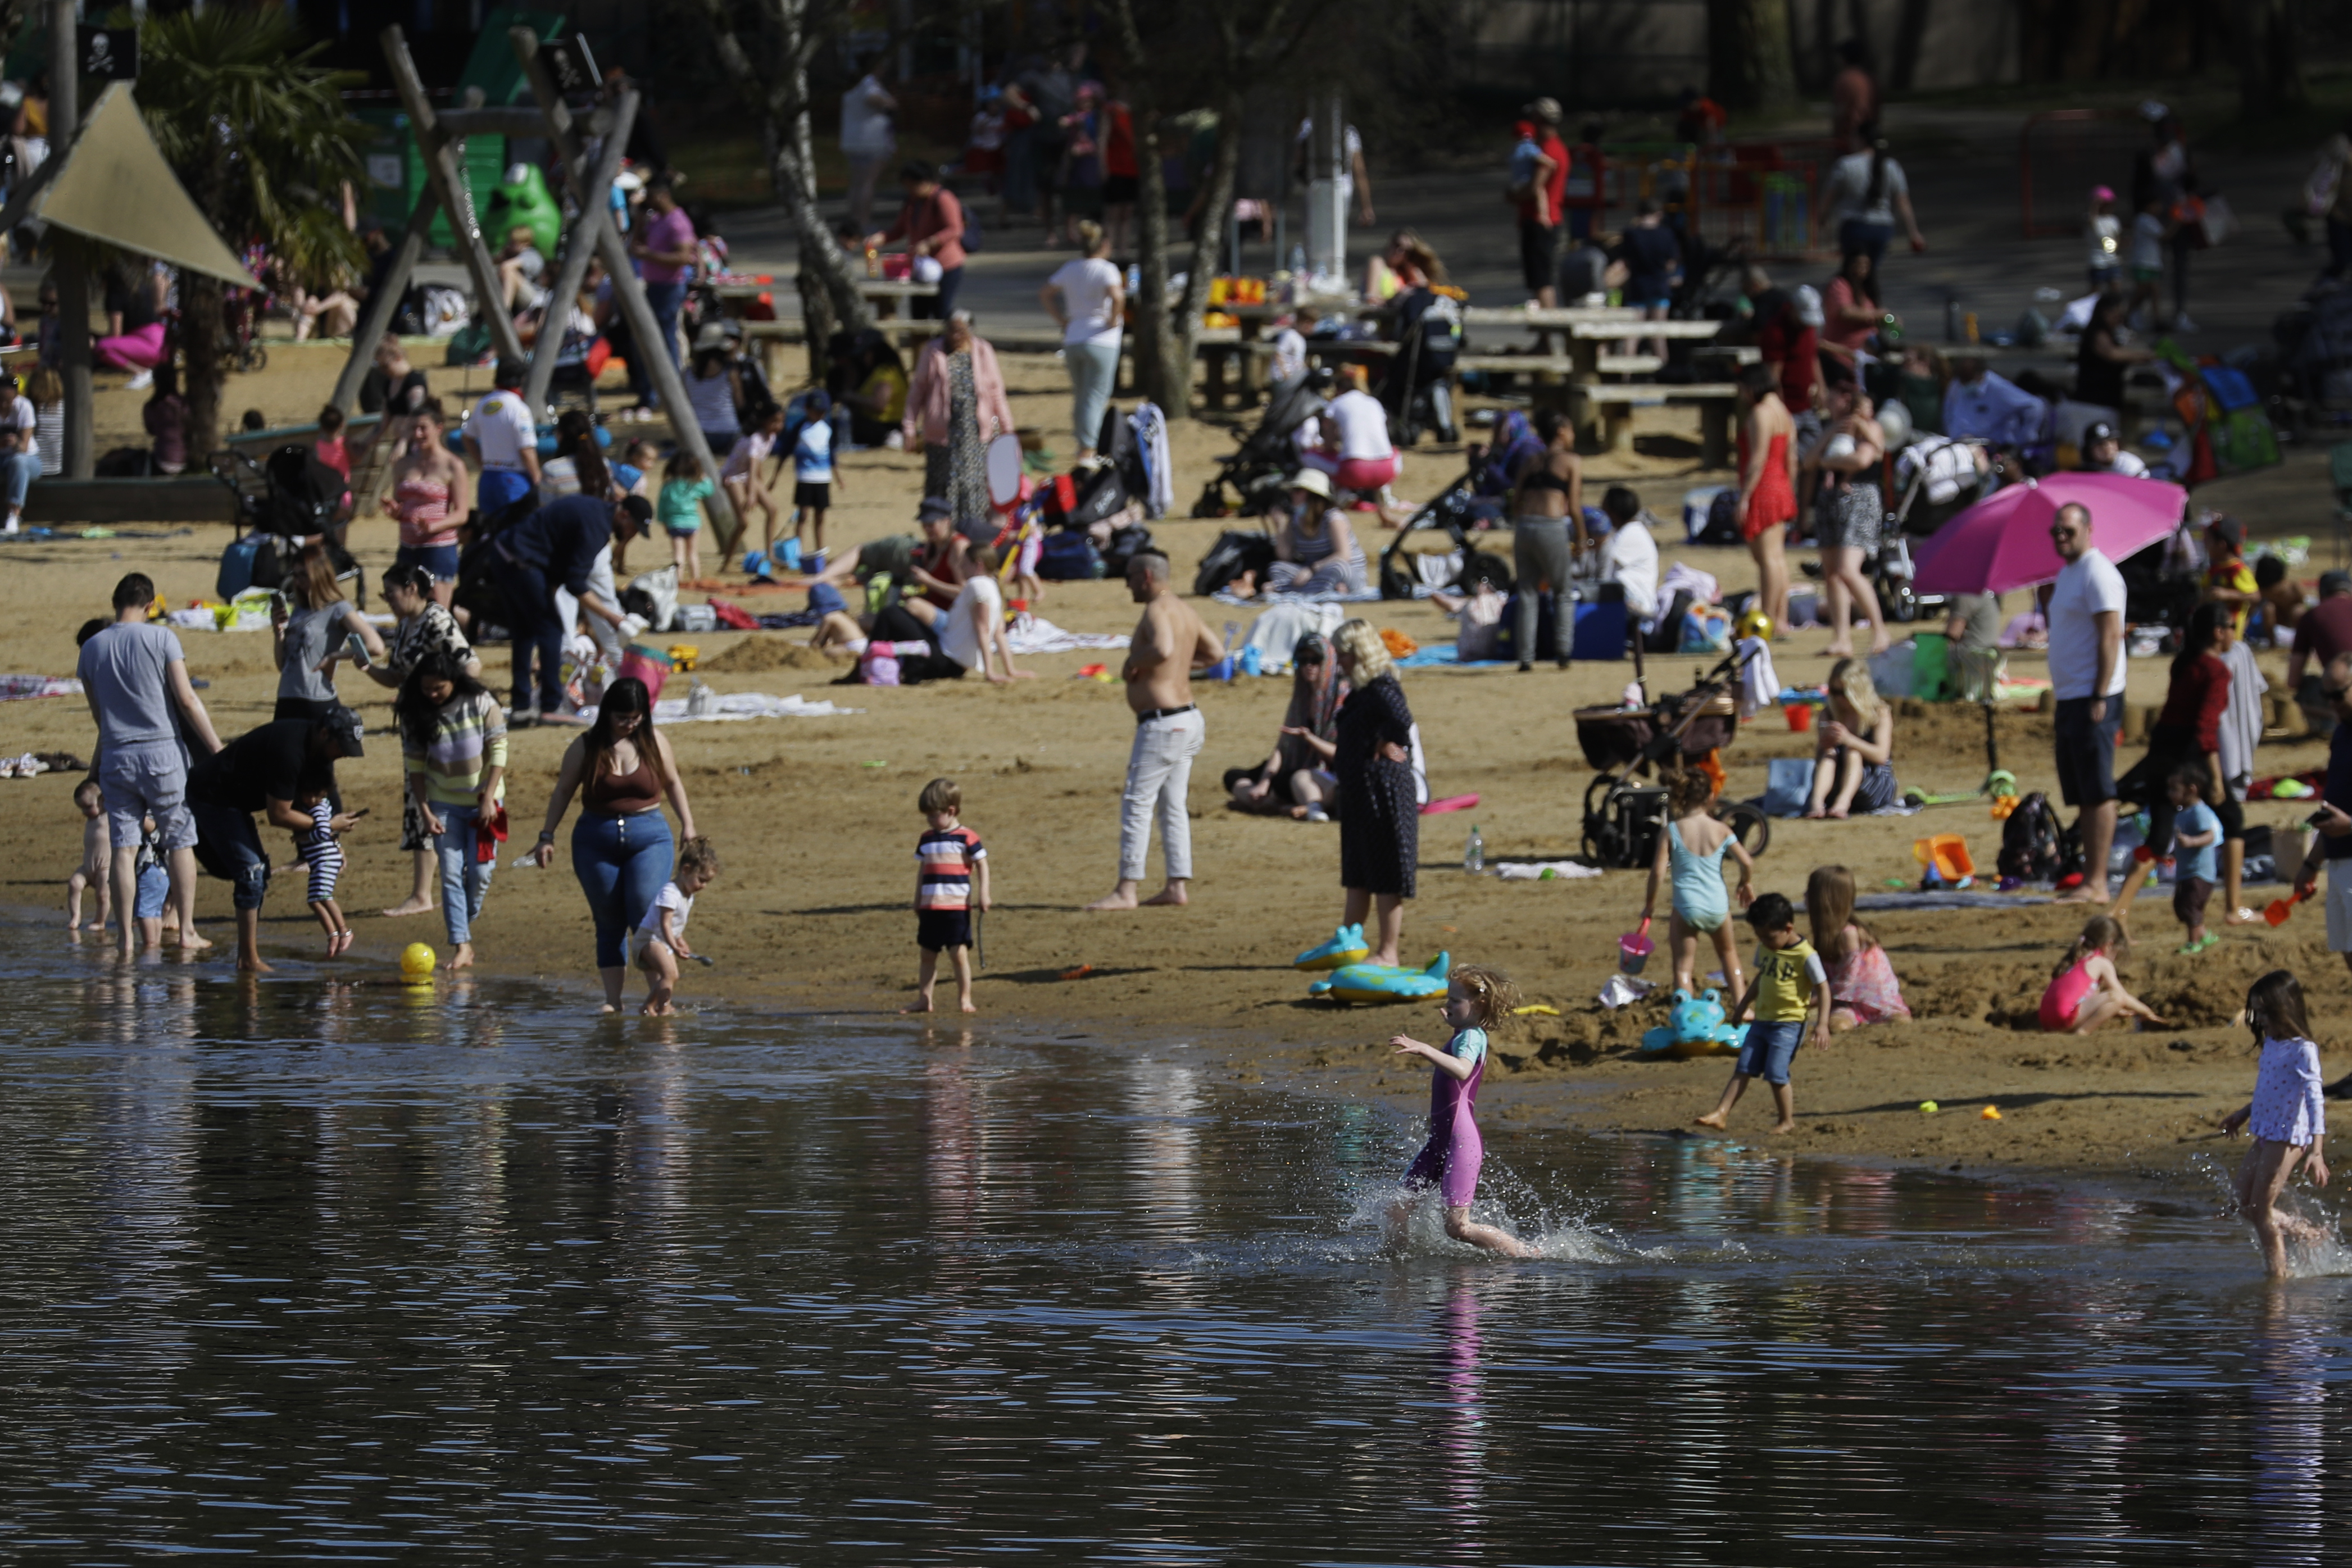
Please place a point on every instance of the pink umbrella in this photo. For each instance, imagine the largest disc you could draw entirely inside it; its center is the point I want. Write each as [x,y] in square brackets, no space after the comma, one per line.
[2004,541]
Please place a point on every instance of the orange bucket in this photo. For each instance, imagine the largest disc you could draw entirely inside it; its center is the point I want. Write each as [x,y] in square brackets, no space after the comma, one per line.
[1947,853]
[1801,717]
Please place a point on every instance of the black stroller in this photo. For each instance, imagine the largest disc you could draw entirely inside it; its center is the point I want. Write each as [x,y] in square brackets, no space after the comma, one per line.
[1451,510]
[1415,391]
[1635,749]
[282,502]
[1260,468]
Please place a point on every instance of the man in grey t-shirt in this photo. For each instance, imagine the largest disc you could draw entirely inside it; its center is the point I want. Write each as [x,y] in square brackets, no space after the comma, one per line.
[137,685]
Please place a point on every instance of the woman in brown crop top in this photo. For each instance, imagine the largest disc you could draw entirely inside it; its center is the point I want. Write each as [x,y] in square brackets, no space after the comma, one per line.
[622,849]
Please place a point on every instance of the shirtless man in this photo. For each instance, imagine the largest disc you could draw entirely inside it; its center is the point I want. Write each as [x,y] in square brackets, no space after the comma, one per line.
[1169,643]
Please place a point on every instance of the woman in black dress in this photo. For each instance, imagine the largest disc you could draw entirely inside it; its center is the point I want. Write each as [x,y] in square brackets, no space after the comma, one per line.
[1378,804]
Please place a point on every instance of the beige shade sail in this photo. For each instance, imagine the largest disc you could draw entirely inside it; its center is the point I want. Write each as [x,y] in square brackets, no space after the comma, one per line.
[112,184]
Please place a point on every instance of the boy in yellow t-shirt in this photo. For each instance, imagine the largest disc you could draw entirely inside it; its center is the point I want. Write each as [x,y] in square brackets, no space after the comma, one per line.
[2228,579]
[1790,992]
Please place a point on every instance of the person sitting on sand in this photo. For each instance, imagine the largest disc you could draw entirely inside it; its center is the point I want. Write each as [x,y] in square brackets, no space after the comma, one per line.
[1296,780]
[2084,990]
[2288,1116]
[1854,754]
[1863,988]
[1690,860]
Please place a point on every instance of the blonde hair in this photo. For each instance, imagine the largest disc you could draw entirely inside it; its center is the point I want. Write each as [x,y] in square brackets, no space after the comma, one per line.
[1491,990]
[1849,679]
[697,855]
[941,795]
[1091,235]
[45,387]
[1829,906]
[1360,645]
[2099,934]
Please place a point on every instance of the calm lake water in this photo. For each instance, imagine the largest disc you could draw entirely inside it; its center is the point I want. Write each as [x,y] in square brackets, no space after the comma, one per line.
[335,1273]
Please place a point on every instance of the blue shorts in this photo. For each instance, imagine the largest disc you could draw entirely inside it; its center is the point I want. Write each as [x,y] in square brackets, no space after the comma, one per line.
[1768,1050]
[154,888]
[500,489]
[441,560]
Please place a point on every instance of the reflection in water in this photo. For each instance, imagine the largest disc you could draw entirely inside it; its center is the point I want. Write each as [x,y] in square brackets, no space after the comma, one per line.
[318,1269]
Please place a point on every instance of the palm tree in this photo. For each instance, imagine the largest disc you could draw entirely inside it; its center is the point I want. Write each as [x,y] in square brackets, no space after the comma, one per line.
[256,130]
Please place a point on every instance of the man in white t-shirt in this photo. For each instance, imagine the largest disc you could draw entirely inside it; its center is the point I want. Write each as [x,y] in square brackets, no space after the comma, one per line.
[502,439]
[2087,677]
[1629,556]
[2103,452]
[867,140]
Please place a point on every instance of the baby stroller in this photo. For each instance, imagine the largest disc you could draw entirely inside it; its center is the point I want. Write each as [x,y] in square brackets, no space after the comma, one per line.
[281,502]
[1259,469]
[1428,328]
[1636,749]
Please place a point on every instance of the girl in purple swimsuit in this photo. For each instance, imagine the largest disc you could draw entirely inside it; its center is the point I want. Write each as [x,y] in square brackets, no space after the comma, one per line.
[1477,1000]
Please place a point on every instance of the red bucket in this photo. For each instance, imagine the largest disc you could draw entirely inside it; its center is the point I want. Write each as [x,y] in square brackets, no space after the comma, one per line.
[1634,949]
[1801,717]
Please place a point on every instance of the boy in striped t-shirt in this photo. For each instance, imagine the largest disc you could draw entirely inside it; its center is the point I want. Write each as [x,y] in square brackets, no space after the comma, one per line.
[950,868]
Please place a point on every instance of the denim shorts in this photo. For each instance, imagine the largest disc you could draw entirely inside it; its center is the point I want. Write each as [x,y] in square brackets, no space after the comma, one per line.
[1768,1050]
[441,560]
[155,889]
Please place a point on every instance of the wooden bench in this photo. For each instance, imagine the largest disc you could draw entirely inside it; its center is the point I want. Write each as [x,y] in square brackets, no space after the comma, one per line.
[1615,402]
[116,503]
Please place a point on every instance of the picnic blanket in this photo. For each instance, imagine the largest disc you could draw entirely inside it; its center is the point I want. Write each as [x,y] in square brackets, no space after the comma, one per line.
[1948,899]
[1036,634]
[1543,870]
[1444,655]
[738,705]
[16,688]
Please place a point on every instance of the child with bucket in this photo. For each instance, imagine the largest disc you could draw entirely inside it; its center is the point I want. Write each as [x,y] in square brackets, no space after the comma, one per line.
[1690,860]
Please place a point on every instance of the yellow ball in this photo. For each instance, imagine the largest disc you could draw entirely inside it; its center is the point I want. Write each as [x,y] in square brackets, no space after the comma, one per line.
[1927,1107]
[416,961]
[1754,623]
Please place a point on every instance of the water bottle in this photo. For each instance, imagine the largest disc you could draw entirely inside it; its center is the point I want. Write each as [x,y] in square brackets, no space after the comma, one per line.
[1473,854]
[1298,262]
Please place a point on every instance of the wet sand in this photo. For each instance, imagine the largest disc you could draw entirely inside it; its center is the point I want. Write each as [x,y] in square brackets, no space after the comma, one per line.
[817,823]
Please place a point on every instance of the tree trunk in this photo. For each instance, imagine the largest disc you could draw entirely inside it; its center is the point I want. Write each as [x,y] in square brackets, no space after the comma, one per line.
[2270,71]
[1750,63]
[204,350]
[1162,352]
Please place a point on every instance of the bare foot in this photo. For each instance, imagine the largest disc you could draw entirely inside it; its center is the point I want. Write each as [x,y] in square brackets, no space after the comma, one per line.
[251,964]
[463,958]
[1171,896]
[651,1011]
[2085,893]
[192,943]
[1712,1119]
[2241,917]
[1815,816]
[1834,651]
[923,1006]
[1110,901]
[1834,815]
[1784,1127]
[403,910]
[1880,645]
[1388,958]
[608,1008]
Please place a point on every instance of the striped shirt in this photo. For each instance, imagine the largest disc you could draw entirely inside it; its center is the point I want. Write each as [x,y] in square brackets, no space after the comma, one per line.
[469,736]
[947,856]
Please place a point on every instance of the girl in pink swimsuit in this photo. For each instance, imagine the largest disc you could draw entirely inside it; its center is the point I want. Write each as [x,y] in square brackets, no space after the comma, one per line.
[1476,1001]
[2084,990]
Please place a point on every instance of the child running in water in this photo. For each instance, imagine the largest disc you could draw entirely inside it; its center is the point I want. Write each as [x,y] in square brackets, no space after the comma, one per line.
[322,851]
[659,941]
[951,872]
[1477,1000]
[2084,991]
[1690,859]
[2288,1115]
[95,872]
[1790,995]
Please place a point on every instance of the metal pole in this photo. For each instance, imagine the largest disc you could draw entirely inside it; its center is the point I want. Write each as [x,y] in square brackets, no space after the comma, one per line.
[376,319]
[644,332]
[448,178]
[579,244]
[68,263]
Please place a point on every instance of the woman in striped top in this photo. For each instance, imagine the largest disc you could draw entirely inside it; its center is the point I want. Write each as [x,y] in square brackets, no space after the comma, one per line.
[454,739]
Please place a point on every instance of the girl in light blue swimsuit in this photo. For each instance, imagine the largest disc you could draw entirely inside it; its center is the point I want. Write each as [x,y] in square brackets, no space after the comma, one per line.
[1690,860]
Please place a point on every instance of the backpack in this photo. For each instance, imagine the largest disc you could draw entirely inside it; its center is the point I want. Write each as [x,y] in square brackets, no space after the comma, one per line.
[1235,552]
[1069,558]
[1123,547]
[2034,847]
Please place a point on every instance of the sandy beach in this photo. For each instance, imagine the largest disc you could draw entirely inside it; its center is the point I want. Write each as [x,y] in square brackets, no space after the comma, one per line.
[817,819]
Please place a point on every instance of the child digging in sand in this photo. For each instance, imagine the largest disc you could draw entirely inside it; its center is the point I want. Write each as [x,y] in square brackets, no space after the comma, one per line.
[1477,1000]
[1790,995]
[1690,860]
[950,870]
[96,850]
[2084,991]
[2288,1116]
[659,941]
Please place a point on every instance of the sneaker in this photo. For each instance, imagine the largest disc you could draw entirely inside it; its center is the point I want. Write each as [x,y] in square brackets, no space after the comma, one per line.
[140,382]
[521,717]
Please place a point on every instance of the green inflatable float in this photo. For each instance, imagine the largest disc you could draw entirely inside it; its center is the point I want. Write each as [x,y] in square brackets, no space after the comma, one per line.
[522,201]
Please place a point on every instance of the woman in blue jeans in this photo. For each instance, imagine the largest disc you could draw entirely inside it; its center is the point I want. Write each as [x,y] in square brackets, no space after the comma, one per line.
[622,848]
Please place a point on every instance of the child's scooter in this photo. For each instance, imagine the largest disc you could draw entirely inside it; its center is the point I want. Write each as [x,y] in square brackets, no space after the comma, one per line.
[1999,783]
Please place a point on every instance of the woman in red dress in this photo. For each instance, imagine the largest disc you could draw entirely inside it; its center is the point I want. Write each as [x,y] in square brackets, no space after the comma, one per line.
[1767,499]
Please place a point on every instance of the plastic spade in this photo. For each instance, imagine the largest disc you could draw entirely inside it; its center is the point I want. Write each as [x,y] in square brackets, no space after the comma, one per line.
[2280,908]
